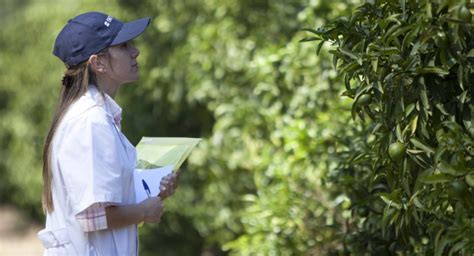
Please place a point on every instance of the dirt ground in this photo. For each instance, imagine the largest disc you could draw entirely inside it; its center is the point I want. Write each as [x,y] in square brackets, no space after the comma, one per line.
[17,234]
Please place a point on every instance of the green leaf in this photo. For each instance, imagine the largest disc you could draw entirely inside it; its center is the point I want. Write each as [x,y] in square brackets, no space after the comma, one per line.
[424,96]
[458,246]
[319,47]
[463,97]
[443,58]
[249,198]
[439,153]
[347,82]
[372,49]
[470,54]
[415,151]
[422,146]
[390,31]
[414,50]
[413,124]
[439,243]
[378,86]
[309,39]
[359,47]
[349,68]
[436,178]
[418,203]
[422,161]
[422,126]
[432,70]
[354,110]
[398,131]
[312,31]
[394,18]
[412,62]
[409,109]
[377,127]
[408,40]
[390,50]
[374,62]
[444,167]
[335,57]
[402,5]
[391,200]
[442,109]
[461,77]
[351,55]
[393,38]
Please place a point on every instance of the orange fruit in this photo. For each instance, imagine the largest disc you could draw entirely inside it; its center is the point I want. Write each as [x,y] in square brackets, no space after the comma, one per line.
[364,99]
[396,151]
[459,187]
[464,14]
[363,211]
[470,179]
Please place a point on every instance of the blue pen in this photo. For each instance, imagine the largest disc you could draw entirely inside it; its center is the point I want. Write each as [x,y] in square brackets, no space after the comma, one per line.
[147,189]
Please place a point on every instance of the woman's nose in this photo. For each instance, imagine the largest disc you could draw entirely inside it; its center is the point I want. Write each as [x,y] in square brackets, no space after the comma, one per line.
[135,52]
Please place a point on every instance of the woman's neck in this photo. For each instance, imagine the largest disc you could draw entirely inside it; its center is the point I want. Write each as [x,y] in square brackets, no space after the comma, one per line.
[108,86]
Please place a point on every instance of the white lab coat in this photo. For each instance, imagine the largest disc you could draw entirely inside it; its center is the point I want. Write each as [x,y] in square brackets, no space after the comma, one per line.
[92,161]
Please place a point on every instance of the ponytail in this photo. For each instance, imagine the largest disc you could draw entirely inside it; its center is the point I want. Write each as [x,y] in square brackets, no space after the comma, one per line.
[75,83]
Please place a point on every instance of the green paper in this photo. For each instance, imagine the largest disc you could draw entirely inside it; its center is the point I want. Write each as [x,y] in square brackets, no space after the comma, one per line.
[155,152]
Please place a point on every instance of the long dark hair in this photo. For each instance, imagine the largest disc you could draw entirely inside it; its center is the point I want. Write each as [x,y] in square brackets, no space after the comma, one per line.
[75,83]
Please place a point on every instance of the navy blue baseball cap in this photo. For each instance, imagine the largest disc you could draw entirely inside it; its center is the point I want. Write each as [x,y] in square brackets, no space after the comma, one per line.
[91,32]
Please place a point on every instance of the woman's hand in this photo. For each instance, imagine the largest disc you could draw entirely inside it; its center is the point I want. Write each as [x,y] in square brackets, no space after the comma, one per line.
[168,184]
[152,209]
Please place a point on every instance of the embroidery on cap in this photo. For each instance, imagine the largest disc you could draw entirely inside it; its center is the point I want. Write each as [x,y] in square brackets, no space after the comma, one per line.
[107,21]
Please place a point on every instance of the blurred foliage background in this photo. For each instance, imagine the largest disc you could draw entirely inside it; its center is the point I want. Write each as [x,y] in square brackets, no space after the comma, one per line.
[277,133]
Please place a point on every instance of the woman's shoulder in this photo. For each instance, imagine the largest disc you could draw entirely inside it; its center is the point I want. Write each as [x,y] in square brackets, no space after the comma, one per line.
[83,118]
[85,110]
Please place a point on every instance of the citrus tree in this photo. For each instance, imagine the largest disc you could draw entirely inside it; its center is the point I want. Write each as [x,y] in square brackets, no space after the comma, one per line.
[408,175]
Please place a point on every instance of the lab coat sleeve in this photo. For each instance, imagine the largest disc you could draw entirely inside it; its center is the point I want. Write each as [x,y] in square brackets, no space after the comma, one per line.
[90,164]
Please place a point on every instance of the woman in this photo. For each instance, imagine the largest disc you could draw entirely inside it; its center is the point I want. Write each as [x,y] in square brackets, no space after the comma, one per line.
[88,166]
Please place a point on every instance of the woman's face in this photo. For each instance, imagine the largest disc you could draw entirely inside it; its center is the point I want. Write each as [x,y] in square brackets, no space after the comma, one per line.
[122,65]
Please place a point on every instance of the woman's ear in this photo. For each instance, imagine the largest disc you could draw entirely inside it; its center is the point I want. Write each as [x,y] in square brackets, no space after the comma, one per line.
[97,64]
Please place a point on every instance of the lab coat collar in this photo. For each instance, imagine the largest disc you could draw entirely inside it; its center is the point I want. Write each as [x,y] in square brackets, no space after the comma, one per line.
[109,104]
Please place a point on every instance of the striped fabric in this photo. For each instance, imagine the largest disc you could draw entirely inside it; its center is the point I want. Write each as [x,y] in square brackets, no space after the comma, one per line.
[93,218]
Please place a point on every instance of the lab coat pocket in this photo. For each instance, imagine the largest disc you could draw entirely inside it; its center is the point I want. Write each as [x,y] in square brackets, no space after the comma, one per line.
[56,242]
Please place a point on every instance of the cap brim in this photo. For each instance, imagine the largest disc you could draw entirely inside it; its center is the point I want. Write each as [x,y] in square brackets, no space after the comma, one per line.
[130,30]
